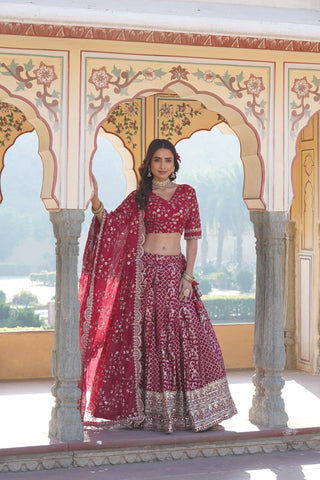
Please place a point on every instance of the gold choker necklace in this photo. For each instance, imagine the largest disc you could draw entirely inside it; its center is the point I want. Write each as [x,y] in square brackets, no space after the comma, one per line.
[161,184]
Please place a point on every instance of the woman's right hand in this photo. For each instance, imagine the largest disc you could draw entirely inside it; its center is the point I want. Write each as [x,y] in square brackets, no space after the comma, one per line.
[95,201]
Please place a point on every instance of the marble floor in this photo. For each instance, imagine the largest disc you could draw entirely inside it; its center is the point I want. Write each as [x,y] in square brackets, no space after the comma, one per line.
[25,406]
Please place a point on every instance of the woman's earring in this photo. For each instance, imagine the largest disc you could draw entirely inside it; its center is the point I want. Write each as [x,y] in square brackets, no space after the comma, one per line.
[149,174]
[172,175]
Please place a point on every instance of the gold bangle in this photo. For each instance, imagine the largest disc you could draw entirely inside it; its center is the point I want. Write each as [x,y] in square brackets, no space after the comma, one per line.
[188,277]
[99,209]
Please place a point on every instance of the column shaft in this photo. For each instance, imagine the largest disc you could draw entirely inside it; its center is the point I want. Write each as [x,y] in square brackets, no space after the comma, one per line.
[65,421]
[268,351]
[289,297]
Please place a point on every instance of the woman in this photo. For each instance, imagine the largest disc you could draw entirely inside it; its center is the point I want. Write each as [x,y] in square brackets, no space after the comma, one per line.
[150,356]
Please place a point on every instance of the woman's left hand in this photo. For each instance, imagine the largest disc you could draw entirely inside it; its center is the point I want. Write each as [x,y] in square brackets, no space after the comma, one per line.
[185,289]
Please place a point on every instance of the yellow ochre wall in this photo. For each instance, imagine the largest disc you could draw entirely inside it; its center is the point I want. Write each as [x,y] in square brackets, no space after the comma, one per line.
[27,354]
[283,78]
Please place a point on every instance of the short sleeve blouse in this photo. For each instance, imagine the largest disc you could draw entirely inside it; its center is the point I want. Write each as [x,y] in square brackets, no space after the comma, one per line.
[180,213]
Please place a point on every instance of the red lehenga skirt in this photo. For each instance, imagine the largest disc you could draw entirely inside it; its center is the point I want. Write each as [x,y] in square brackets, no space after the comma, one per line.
[148,359]
[183,378]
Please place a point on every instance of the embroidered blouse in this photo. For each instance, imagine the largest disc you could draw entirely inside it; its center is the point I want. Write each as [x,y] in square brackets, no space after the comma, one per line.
[180,213]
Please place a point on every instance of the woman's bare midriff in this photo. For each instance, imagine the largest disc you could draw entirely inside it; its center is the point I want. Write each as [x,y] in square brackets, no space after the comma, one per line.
[162,243]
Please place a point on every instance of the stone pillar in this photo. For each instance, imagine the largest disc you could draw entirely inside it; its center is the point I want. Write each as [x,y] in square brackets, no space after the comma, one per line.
[289,297]
[65,423]
[268,350]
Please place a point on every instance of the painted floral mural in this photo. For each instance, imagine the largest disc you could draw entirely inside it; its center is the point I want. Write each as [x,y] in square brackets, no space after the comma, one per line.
[237,87]
[125,121]
[303,90]
[117,79]
[243,85]
[11,123]
[174,117]
[27,74]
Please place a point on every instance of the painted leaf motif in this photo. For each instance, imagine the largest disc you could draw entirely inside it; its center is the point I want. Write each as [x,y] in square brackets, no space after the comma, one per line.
[20,86]
[199,74]
[240,77]
[316,81]
[116,71]
[29,66]
[159,73]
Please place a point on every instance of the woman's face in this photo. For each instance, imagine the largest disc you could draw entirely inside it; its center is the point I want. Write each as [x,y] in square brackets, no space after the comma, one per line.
[162,164]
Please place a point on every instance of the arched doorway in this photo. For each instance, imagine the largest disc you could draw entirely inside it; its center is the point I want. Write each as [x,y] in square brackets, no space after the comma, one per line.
[302,319]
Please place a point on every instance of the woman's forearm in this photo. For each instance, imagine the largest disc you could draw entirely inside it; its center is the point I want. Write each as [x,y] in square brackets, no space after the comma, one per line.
[191,254]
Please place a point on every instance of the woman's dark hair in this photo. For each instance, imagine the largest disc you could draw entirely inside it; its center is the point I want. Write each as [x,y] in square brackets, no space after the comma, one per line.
[145,184]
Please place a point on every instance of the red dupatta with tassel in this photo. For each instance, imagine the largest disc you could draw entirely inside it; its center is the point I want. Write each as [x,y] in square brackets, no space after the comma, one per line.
[110,323]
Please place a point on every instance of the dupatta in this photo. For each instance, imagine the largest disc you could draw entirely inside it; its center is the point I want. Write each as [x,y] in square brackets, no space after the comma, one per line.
[110,320]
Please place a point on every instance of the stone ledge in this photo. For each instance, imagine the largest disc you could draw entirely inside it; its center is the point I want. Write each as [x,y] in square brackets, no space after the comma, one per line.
[209,444]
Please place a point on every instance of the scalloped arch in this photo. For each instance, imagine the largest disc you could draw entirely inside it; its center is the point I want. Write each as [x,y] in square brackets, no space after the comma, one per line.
[254,176]
[48,158]
[249,142]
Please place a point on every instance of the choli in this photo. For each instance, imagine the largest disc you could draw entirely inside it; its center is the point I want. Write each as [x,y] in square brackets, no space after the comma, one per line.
[180,213]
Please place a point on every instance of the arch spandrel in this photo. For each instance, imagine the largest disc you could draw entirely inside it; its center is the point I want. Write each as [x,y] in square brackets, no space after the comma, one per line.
[32,122]
[239,93]
[302,95]
[34,82]
[162,115]
[13,123]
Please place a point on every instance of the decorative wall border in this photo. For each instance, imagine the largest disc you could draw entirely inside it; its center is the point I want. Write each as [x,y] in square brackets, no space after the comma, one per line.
[161,37]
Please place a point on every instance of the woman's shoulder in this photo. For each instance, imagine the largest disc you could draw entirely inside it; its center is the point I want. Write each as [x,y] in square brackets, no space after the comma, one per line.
[186,188]
[131,196]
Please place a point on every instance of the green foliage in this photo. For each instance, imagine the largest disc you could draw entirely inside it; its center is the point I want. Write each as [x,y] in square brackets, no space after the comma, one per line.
[245,280]
[2,297]
[230,309]
[208,268]
[223,211]
[19,317]
[222,280]
[25,298]
[24,317]
[4,312]
[205,285]
[44,278]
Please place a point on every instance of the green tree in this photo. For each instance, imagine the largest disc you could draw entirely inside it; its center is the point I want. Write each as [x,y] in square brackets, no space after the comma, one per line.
[24,317]
[25,298]
[205,285]
[245,280]
[203,182]
[4,314]
[2,297]
[222,208]
[239,215]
